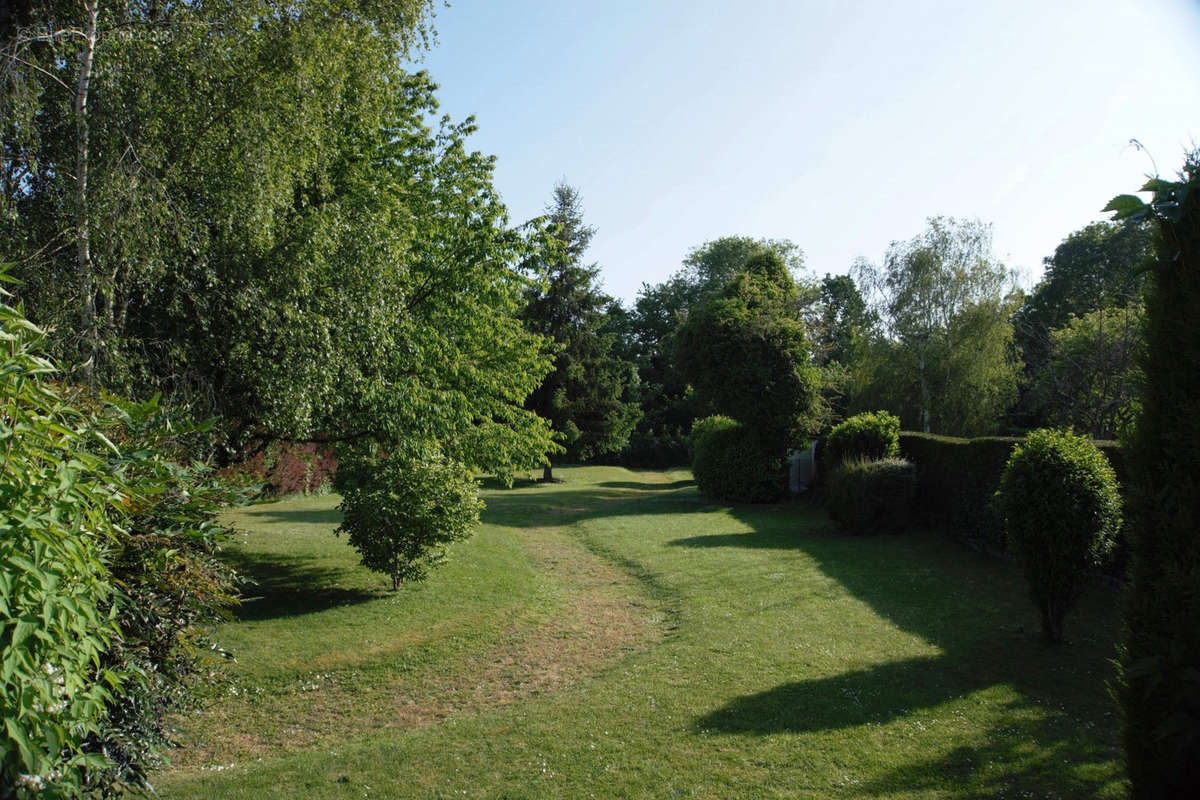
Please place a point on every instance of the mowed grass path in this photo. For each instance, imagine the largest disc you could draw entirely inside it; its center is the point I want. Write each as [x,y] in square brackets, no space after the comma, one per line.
[619,636]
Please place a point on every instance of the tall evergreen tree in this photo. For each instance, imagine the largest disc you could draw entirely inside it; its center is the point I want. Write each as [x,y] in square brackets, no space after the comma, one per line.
[585,396]
[1161,691]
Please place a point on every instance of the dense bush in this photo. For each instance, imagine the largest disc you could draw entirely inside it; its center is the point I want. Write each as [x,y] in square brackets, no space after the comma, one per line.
[108,580]
[401,511]
[172,586]
[1161,663]
[867,496]
[870,436]
[283,468]
[1059,501]
[729,463]
[55,590]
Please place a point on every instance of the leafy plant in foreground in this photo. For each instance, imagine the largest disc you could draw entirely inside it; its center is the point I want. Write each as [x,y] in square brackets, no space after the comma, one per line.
[57,616]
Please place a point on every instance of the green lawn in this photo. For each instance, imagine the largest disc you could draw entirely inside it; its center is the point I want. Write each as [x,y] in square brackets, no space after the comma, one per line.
[620,636]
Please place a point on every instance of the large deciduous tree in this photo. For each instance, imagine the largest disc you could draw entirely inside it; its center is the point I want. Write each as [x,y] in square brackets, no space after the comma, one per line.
[947,363]
[745,353]
[1098,266]
[668,403]
[292,239]
[585,396]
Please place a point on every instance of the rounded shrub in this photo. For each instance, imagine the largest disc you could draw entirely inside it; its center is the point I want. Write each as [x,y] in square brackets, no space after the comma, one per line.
[729,463]
[872,496]
[871,435]
[1058,498]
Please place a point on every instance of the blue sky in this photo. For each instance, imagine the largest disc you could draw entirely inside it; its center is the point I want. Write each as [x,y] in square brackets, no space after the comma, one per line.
[838,125]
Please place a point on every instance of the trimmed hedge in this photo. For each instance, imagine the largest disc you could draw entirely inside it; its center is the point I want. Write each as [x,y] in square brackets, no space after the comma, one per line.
[957,480]
[730,464]
[872,496]
[871,435]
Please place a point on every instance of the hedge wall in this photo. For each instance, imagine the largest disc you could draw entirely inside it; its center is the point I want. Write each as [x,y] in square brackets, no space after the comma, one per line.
[957,480]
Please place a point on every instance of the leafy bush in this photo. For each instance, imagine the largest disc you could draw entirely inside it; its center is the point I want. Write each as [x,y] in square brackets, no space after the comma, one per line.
[870,435]
[283,468]
[729,463]
[55,592]
[865,496]
[108,579]
[1058,497]
[401,511]
[173,587]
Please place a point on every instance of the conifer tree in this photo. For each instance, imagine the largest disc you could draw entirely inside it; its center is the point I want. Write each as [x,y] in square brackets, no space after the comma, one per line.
[1162,641]
[586,396]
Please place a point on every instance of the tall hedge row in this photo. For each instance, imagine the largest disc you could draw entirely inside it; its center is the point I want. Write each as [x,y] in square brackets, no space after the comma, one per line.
[1161,691]
[957,481]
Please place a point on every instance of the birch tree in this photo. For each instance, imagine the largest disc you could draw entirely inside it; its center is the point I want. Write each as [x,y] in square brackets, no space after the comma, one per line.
[945,302]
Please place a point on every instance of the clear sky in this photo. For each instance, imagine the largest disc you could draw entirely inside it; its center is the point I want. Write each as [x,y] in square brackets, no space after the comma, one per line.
[840,125]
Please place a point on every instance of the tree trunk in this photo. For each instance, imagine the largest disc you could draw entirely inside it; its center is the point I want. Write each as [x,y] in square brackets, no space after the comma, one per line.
[1052,624]
[83,267]
[548,473]
[925,402]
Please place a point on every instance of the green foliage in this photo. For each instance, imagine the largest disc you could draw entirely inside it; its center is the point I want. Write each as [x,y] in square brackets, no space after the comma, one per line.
[57,617]
[402,514]
[842,322]
[730,463]
[745,353]
[1161,659]
[668,403]
[112,581]
[585,396]
[293,241]
[1058,497]
[173,588]
[957,481]
[1099,266]
[866,495]
[868,436]
[1092,378]
[946,363]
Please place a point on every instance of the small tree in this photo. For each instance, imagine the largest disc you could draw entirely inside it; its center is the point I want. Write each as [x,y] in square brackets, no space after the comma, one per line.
[401,511]
[1058,496]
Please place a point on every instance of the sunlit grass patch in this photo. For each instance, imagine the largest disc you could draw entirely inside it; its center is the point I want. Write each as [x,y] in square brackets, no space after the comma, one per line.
[620,636]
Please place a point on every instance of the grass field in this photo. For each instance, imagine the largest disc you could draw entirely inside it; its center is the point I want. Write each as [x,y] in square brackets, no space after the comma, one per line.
[618,636]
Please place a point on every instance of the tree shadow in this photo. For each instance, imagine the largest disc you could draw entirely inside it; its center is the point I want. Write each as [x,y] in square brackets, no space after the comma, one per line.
[975,610]
[647,487]
[305,516]
[289,586]
[555,505]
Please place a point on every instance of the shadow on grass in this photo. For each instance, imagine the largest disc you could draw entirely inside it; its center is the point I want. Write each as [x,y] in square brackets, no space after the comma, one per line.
[301,516]
[1062,735]
[647,487]
[288,586]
